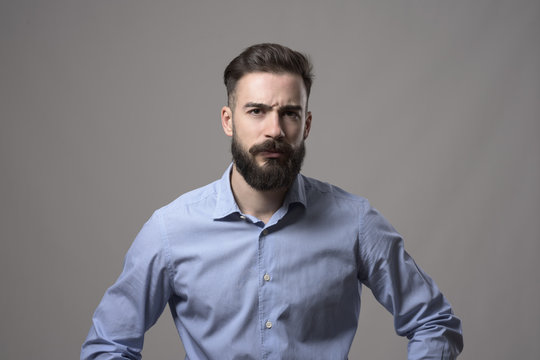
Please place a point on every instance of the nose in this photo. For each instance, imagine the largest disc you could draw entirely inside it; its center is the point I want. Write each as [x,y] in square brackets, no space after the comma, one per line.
[273,126]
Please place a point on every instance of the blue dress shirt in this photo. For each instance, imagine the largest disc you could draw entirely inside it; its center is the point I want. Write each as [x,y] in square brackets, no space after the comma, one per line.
[289,289]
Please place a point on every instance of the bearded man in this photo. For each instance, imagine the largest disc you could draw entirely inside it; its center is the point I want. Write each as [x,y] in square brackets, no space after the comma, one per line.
[266,263]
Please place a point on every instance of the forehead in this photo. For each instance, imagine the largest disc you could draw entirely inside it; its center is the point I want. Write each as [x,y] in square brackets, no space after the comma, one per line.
[270,88]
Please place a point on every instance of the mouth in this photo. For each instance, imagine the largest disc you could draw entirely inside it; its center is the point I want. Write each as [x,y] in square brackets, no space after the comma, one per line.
[271,154]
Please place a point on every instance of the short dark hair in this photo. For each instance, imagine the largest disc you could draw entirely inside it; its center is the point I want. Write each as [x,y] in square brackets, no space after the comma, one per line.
[267,57]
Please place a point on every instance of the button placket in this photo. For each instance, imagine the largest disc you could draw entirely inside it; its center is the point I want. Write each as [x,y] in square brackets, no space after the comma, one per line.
[265,292]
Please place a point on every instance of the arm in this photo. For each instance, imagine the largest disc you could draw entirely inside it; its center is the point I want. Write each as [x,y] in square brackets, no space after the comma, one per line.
[420,310]
[134,303]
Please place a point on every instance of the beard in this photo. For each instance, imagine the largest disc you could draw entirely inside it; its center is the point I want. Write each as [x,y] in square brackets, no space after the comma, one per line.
[275,173]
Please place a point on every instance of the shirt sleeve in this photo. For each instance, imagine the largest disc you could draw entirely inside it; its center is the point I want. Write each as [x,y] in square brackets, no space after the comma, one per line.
[134,303]
[421,313]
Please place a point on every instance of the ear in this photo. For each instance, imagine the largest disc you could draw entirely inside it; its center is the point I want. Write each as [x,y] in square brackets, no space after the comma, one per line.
[307,125]
[226,120]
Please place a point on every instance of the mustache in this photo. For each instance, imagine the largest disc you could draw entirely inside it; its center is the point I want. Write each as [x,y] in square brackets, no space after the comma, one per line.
[273,146]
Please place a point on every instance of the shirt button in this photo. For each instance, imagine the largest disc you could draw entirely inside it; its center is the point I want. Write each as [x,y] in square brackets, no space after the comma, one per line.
[242,217]
[266,277]
[265,232]
[268,324]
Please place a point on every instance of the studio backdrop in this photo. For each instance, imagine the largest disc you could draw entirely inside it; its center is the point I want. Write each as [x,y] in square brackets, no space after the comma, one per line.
[110,110]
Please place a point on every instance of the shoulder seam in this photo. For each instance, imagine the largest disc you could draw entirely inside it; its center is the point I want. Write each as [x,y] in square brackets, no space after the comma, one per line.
[165,246]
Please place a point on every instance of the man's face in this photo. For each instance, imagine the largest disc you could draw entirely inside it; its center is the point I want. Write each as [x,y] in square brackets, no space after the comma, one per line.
[269,124]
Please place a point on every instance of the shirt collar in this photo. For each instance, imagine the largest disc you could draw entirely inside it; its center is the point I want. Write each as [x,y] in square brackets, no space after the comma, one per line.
[226,205]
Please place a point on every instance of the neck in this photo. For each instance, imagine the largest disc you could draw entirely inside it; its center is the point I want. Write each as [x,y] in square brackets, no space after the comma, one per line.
[261,204]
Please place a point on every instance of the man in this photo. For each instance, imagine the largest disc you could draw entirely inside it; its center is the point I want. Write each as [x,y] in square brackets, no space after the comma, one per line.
[266,263]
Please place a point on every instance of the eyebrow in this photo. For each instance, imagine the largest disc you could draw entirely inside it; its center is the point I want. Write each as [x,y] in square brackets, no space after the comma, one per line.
[268,107]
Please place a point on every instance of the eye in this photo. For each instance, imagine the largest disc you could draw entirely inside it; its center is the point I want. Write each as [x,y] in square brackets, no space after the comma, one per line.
[255,111]
[291,114]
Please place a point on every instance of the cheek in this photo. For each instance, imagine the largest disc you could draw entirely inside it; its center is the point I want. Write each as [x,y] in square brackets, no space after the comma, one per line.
[295,133]
[243,140]
[248,129]
[242,132]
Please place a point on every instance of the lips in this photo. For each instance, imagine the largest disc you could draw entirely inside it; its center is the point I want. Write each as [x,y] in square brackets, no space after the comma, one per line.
[271,154]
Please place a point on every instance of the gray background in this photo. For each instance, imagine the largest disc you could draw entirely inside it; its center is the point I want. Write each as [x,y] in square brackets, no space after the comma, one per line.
[110,109]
